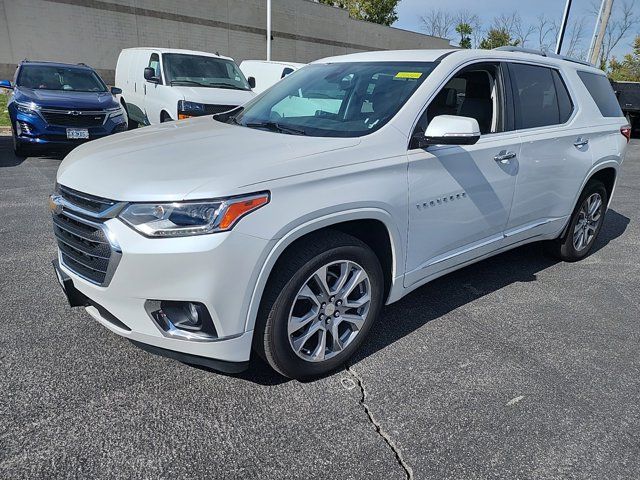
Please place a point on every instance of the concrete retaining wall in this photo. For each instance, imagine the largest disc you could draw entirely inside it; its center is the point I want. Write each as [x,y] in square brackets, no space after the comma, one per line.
[94,31]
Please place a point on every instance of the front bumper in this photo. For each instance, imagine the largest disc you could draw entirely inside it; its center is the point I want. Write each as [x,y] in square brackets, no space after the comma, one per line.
[41,134]
[217,270]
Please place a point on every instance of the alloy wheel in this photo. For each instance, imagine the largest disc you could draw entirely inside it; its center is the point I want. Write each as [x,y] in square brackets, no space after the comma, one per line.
[589,218]
[329,311]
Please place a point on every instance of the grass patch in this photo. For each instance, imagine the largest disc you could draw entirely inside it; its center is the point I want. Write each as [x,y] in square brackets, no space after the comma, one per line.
[4,115]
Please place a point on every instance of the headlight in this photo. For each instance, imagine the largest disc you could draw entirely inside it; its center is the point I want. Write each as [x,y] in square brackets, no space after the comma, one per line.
[190,109]
[115,112]
[30,108]
[182,219]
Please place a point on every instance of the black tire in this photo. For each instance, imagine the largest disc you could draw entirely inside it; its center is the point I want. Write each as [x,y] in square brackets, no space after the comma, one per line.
[131,124]
[19,149]
[564,247]
[292,272]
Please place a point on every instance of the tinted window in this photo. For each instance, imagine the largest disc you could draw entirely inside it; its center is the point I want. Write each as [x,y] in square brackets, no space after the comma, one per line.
[565,105]
[602,93]
[337,99]
[286,72]
[537,103]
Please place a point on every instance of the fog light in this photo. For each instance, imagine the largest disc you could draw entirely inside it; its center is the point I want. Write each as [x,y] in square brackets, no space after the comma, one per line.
[187,320]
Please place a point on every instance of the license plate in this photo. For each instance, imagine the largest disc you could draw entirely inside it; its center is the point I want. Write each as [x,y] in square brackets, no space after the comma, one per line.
[77,133]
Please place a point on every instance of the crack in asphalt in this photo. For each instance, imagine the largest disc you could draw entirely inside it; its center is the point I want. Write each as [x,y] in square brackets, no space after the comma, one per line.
[378,428]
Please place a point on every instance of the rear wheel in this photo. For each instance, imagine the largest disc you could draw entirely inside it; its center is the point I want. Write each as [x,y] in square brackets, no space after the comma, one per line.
[319,305]
[585,224]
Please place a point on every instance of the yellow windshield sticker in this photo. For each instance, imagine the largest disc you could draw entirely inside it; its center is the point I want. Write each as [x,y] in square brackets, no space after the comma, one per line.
[408,74]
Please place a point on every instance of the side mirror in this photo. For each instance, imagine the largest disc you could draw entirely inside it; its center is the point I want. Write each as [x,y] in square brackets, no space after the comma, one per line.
[6,84]
[150,75]
[449,130]
[116,91]
[252,82]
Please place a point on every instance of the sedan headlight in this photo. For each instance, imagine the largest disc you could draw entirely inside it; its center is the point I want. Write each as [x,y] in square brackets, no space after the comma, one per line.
[182,219]
[115,112]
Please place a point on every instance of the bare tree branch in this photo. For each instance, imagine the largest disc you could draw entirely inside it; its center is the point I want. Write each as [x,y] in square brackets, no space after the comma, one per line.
[438,23]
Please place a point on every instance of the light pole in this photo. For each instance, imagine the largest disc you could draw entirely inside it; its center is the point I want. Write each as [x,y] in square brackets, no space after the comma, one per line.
[268,30]
[563,27]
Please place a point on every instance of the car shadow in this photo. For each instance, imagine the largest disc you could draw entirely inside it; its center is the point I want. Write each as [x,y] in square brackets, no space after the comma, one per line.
[9,159]
[462,287]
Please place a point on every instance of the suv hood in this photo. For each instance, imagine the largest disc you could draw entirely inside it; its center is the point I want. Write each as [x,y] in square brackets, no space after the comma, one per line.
[192,159]
[215,96]
[67,99]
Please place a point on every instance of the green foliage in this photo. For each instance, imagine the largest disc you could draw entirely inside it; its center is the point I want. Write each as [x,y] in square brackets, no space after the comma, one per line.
[4,115]
[498,37]
[383,12]
[464,30]
[627,70]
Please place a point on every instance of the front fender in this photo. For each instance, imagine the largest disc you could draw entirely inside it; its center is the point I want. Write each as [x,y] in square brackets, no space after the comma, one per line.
[297,231]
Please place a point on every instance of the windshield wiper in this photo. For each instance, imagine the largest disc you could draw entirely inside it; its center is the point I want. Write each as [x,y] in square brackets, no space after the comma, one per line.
[188,82]
[275,127]
[224,85]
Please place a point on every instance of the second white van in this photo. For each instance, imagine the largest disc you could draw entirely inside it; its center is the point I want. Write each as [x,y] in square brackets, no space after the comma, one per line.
[263,74]
[160,85]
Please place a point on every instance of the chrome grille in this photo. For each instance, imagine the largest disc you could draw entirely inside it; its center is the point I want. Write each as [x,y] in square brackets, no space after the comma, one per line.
[86,202]
[74,118]
[84,245]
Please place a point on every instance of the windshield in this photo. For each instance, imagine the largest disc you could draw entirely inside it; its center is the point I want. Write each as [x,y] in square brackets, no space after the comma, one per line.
[201,71]
[48,77]
[336,99]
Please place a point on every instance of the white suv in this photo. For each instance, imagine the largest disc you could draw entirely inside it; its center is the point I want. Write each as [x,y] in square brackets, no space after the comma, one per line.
[284,226]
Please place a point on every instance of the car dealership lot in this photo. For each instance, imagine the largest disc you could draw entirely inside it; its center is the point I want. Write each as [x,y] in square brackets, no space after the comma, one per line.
[516,367]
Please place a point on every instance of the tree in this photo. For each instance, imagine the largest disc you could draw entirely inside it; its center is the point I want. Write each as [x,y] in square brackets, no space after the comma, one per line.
[465,31]
[438,23]
[628,70]
[623,19]
[497,37]
[383,12]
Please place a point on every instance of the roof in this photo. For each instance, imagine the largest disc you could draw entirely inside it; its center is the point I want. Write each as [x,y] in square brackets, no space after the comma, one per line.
[56,64]
[180,51]
[458,54]
[275,62]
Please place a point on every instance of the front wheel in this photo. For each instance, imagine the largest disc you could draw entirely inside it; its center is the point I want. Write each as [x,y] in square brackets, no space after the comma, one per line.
[321,301]
[585,224]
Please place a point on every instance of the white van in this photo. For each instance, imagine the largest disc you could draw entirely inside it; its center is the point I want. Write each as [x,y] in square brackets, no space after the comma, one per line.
[266,73]
[160,84]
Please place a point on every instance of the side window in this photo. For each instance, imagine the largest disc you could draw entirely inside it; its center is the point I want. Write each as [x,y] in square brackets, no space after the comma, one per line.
[537,99]
[286,72]
[154,62]
[565,105]
[602,93]
[473,92]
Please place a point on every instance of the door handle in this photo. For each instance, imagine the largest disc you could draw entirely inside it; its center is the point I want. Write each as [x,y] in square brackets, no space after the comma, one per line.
[504,156]
[581,142]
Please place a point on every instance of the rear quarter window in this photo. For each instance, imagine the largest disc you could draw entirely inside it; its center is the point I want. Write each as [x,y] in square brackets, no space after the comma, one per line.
[602,93]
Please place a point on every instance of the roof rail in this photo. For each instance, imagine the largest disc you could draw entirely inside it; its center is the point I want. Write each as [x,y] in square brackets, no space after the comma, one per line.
[543,54]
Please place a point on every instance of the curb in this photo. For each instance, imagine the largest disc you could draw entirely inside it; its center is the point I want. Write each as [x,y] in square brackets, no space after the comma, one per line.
[5,131]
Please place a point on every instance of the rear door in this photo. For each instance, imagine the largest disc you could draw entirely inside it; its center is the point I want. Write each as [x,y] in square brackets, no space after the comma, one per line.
[555,154]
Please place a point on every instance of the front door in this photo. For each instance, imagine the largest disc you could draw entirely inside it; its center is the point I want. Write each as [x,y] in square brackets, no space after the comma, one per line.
[460,196]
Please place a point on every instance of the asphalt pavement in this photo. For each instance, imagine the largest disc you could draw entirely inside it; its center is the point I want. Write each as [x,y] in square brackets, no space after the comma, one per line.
[516,367]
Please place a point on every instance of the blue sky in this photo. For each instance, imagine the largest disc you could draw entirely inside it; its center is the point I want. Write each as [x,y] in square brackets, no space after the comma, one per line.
[409,12]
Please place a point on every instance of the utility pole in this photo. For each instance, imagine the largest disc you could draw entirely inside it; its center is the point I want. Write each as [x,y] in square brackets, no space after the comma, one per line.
[601,29]
[563,27]
[268,30]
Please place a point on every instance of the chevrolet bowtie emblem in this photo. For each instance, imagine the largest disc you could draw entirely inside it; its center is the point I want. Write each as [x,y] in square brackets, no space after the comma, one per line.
[55,204]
